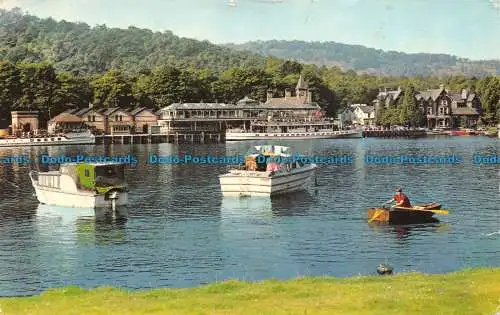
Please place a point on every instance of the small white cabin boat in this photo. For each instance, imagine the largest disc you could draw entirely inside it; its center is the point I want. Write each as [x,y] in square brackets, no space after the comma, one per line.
[82,185]
[268,170]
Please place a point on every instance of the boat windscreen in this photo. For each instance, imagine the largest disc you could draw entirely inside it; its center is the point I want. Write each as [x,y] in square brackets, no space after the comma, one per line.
[108,175]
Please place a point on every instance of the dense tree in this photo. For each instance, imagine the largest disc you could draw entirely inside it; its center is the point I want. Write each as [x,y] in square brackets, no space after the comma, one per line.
[113,89]
[10,90]
[489,91]
[51,66]
[409,111]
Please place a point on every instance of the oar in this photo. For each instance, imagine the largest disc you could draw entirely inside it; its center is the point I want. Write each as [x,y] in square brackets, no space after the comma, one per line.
[423,209]
[377,214]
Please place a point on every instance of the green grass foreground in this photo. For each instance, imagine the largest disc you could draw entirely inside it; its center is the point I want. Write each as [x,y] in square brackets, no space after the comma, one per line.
[474,291]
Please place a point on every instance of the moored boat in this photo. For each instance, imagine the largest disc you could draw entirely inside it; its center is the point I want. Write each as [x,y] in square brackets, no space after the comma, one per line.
[269,170]
[238,135]
[82,185]
[77,137]
[401,215]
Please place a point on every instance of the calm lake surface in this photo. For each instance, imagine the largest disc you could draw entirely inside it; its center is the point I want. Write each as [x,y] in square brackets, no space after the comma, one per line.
[178,230]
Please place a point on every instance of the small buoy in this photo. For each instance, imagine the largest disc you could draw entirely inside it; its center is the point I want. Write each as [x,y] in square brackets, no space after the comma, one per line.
[384,269]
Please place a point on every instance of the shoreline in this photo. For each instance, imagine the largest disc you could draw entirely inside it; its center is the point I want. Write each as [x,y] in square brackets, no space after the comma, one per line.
[461,292]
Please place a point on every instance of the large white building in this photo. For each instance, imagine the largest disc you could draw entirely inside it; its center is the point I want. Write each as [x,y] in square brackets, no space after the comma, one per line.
[363,115]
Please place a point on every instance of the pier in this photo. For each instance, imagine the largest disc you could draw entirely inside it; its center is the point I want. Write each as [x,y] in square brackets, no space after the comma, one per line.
[394,133]
[184,137]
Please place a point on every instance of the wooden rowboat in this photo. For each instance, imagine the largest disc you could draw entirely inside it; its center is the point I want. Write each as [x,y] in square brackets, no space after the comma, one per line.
[401,215]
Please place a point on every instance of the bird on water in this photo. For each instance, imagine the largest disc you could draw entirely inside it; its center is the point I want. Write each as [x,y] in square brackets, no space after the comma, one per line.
[384,269]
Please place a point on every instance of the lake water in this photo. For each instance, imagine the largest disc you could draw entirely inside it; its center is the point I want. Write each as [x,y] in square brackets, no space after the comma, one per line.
[178,230]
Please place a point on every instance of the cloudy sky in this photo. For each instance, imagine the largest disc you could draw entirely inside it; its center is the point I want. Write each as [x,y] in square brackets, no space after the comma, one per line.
[466,28]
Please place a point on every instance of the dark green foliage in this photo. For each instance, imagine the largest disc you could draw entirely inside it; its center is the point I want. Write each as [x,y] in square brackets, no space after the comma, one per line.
[52,66]
[369,60]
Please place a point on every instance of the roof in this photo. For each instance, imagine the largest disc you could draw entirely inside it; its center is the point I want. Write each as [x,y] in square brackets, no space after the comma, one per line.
[456,96]
[110,111]
[423,94]
[71,110]
[464,111]
[366,109]
[93,163]
[137,111]
[66,118]
[247,101]
[82,111]
[382,95]
[289,104]
[471,97]
[435,93]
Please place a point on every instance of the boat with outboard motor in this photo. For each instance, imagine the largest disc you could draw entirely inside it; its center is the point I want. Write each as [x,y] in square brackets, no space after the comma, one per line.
[82,185]
[268,170]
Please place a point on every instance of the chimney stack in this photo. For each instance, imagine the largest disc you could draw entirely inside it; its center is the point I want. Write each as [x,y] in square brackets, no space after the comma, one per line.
[269,95]
[288,93]
[309,96]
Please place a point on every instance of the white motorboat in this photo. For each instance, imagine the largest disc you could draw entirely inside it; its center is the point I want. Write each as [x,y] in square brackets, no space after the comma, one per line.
[77,137]
[269,170]
[82,185]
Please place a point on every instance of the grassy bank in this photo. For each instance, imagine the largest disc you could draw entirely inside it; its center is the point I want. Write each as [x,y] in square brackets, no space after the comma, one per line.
[467,292]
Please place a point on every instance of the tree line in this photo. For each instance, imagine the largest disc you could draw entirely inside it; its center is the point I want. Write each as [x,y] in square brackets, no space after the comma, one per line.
[38,86]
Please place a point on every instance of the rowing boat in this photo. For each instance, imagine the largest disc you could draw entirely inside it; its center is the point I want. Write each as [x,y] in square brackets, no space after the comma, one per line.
[402,215]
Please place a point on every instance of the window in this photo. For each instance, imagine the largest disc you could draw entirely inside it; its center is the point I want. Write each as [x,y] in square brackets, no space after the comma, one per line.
[89,118]
[87,173]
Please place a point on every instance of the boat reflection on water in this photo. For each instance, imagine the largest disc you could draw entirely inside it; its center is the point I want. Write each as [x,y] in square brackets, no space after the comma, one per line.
[296,204]
[82,226]
[405,231]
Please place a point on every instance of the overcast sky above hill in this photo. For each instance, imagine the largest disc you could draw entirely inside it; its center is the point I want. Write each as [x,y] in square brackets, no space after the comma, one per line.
[467,28]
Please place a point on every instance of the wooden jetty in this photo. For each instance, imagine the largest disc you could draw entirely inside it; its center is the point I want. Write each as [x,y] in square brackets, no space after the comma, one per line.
[394,133]
[177,137]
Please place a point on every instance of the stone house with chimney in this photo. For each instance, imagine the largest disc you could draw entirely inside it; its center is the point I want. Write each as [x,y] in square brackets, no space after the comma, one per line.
[442,108]
[450,109]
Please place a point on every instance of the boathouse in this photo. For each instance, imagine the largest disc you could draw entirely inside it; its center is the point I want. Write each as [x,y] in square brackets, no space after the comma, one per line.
[64,122]
[24,122]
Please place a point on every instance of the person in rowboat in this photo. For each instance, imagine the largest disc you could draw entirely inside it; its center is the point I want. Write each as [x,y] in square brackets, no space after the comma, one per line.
[401,199]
